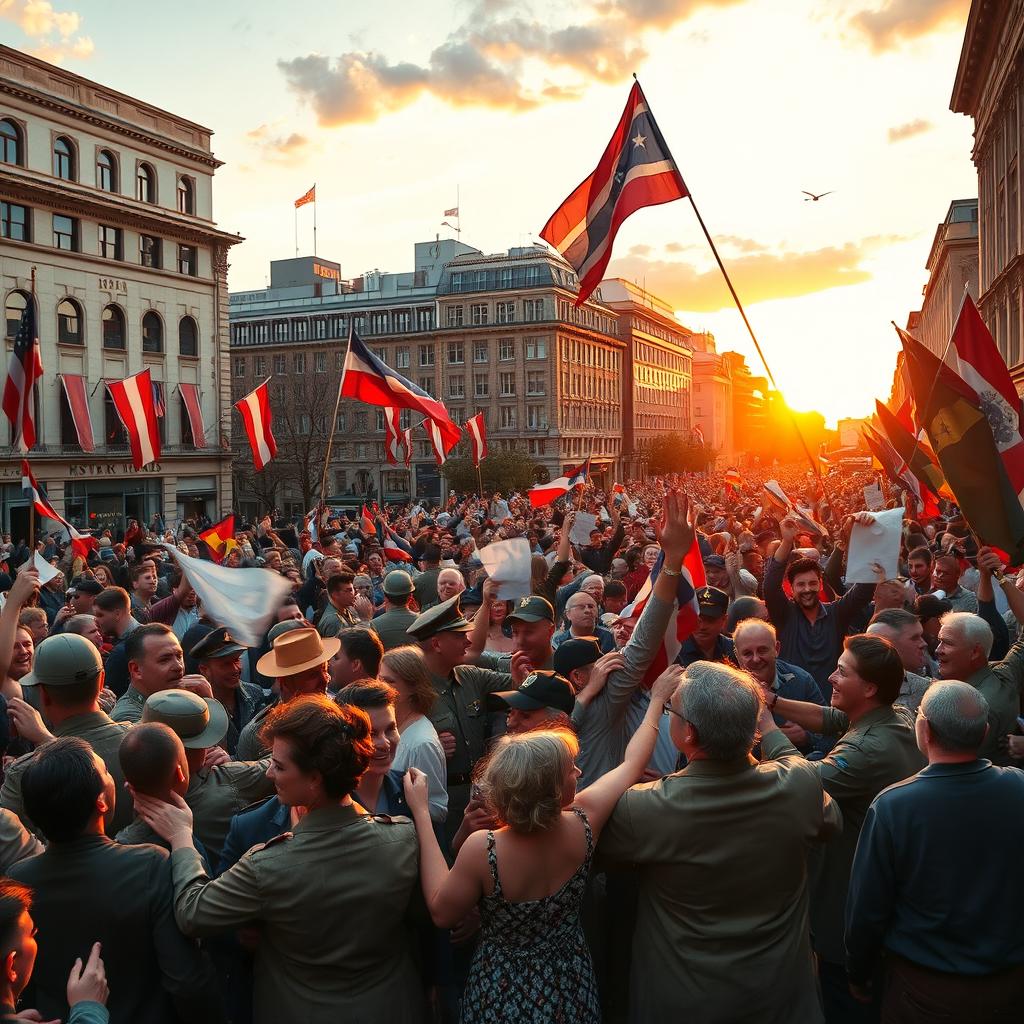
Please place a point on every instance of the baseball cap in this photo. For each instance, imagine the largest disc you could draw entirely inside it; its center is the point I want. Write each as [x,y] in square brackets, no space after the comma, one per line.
[577,652]
[63,660]
[533,609]
[715,561]
[540,689]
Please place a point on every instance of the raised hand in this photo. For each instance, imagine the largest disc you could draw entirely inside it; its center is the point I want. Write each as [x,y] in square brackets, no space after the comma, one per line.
[88,983]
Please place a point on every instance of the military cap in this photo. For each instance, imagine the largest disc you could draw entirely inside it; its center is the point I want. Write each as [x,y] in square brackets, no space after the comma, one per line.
[712,602]
[86,585]
[540,689]
[398,583]
[63,660]
[533,609]
[218,643]
[283,627]
[576,652]
[445,617]
[200,722]
[714,561]
[193,635]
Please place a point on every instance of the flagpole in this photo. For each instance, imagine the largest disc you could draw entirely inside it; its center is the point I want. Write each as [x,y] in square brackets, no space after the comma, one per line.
[314,222]
[334,424]
[31,398]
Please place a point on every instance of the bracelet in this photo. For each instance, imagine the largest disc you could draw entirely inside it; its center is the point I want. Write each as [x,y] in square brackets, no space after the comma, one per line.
[773,700]
[671,572]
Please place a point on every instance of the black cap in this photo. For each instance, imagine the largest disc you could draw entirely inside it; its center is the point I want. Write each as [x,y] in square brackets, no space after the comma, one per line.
[86,585]
[533,609]
[540,689]
[712,602]
[577,652]
[218,643]
[715,561]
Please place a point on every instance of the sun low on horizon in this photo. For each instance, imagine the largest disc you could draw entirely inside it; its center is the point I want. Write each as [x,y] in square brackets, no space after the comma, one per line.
[395,110]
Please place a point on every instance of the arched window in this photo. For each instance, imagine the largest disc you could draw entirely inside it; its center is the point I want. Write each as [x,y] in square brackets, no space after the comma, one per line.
[69,322]
[186,196]
[145,184]
[17,303]
[114,333]
[188,337]
[106,171]
[64,159]
[10,142]
[152,333]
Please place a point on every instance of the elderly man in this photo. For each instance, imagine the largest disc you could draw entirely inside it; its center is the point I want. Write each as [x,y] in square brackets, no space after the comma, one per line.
[449,583]
[904,631]
[594,586]
[947,957]
[581,612]
[721,931]
[533,627]
[543,701]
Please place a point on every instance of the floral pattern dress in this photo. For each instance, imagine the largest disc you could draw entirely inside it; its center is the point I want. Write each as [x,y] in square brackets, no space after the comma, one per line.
[533,963]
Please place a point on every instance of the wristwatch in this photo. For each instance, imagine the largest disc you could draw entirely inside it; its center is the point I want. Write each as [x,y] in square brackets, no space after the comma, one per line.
[773,700]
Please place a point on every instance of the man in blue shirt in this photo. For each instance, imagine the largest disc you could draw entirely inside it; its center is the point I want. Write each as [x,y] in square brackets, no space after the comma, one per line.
[936,882]
[707,642]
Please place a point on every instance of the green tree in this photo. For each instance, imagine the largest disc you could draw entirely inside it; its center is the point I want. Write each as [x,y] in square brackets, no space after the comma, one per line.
[670,453]
[500,471]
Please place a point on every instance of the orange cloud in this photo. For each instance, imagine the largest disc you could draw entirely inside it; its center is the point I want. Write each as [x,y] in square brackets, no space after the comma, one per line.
[55,32]
[898,21]
[918,126]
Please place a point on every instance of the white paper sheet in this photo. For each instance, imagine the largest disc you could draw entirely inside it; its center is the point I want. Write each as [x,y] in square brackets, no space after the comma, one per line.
[873,498]
[46,571]
[508,563]
[581,528]
[879,542]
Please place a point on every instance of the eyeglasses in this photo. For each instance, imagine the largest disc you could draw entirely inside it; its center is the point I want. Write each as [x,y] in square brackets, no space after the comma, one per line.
[667,709]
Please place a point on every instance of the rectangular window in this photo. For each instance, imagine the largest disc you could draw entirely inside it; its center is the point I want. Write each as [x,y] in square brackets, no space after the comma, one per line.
[187,262]
[320,362]
[481,385]
[379,422]
[427,384]
[298,362]
[536,417]
[481,353]
[456,353]
[507,384]
[402,358]
[478,313]
[340,422]
[455,314]
[535,382]
[507,420]
[301,329]
[506,312]
[426,355]
[110,242]
[533,309]
[305,424]
[239,366]
[279,366]
[149,252]
[14,222]
[536,348]
[360,451]
[65,233]
[456,386]
[360,422]
[261,366]
[339,360]
[379,323]
[402,320]
[425,319]
[506,350]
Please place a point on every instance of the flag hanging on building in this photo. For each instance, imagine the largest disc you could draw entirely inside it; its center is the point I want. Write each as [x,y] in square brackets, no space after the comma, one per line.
[309,197]
[635,170]
[255,410]
[981,365]
[133,400]
[478,437]
[453,212]
[220,538]
[371,380]
[194,411]
[687,609]
[440,443]
[78,403]
[159,407]
[698,435]
[950,411]
[25,368]
[392,435]
[81,543]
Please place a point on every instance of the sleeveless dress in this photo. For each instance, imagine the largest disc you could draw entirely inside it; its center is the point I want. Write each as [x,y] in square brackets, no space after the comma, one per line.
[533,963]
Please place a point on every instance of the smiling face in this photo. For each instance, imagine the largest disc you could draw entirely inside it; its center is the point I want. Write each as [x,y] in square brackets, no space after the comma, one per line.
[945,574]
[756,652]
[805,589]
[295,788]
[850,692]
[21,656]
[384,735]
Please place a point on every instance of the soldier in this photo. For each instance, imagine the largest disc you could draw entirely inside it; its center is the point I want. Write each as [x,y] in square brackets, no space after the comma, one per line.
[397,618]
[68,675]
[706,642]
[533,626]
[460,714]
[155,662]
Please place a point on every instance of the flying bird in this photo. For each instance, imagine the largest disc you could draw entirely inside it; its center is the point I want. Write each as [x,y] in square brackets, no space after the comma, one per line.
[812,198]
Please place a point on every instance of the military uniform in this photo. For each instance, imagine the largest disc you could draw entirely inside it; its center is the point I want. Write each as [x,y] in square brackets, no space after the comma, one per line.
[1000,684]
[391,627]
[129,706]
[332,622]
[16,842]
[249,747]
[337,865]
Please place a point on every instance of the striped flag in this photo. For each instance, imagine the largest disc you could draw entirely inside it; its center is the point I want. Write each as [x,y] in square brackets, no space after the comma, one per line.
[441,444]
[687,610]
[544,494]
[478,437]
[309,197]
[255,410]
[220,538]
[452,211]
[78,403]
[407,435]
[190,396]
[26,367]
[698,435]
[133,400]
[392,435]
[81,543]
[635,170]
[159,408]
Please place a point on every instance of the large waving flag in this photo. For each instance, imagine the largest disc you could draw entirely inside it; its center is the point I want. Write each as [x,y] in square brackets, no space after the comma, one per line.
[687,609]
[220,538]
[393,436]
[897,470]
[371,380]
[950,411]
[81,543]
[441,442]
[26,367]
[635,170]
[255,410]
[244,600]
[544,494]
[910,451]
[478,437]
[133,400]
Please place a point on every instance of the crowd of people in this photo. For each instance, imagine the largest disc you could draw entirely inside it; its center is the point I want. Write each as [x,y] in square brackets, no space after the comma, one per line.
[770,796]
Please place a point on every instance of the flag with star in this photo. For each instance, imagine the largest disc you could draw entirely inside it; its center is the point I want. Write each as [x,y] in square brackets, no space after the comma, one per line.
[636,170]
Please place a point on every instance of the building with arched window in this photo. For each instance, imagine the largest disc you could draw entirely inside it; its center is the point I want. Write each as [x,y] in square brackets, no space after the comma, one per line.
[111,201]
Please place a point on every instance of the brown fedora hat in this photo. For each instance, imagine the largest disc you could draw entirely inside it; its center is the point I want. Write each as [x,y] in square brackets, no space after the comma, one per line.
[297,650]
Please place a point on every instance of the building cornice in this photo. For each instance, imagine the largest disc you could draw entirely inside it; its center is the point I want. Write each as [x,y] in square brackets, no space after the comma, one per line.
[118,211]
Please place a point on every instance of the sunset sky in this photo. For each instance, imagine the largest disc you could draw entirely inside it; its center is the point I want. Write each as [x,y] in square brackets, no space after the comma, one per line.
[390,106]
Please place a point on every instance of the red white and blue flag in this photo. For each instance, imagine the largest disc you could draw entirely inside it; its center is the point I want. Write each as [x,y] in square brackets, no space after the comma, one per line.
[133,400]
[25,368]
[635,170]
[691,580]
[545,494]
[159,408]
[441,442]
[478,437]
[371,380]
[393,435]
[255,410]
[81,543]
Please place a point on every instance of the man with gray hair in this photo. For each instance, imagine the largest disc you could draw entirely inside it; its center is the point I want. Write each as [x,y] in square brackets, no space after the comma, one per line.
[950,953]
[721,852]
[965,642]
